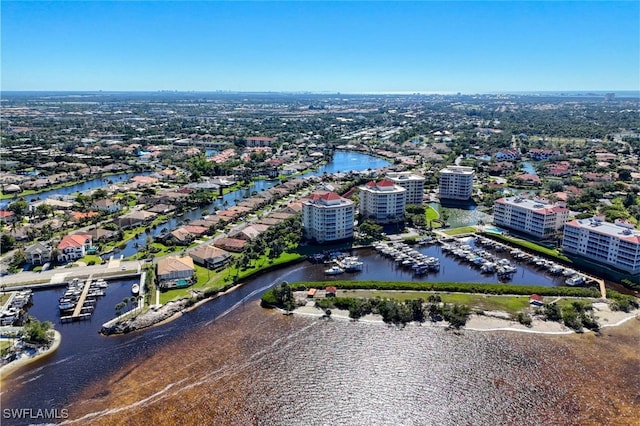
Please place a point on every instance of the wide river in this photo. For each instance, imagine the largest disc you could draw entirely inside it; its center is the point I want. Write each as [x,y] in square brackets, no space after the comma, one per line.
[231,362]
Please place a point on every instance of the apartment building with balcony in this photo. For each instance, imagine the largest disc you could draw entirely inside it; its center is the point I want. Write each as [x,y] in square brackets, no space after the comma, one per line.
[535,217]
[328,217]
[615,244]
[456,183]
[413,183]
[383,201]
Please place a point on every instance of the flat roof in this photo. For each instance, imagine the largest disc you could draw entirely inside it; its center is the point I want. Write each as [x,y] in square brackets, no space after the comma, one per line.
[607,228]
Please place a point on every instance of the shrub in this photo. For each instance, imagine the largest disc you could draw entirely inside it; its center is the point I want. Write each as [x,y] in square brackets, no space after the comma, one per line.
[523,318]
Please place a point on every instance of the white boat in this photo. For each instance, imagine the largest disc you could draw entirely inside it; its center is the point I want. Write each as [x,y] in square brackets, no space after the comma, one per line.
[135,289]
[575,280]
[334,270]
[352,264]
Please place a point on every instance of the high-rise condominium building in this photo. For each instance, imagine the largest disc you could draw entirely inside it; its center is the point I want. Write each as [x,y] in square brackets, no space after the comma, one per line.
[413,183]
[383,201]
[532,216]
[456,183]
[328,217]
[616,244]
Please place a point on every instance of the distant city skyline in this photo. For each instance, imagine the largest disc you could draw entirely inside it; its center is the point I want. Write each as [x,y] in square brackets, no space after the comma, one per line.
[347,47]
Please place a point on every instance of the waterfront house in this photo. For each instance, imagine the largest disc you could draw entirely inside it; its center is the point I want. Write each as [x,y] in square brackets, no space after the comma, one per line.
[175,271]
[230,244]
[210,256]
[38,253]
[73,247]
[101,234]
[136,218]
[180,236]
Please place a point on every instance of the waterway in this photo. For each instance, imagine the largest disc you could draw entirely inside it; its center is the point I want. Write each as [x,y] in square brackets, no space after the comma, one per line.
[347,161]
[230,362]
[96,183]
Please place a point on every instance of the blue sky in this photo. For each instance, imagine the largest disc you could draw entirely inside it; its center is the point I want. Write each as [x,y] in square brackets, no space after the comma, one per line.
[349,47]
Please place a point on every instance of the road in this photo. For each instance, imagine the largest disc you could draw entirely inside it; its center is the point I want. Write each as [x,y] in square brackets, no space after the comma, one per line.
[64,274]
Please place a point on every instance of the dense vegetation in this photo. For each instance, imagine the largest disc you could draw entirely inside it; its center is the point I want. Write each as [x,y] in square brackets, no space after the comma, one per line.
[37,332]
[401,312]
[453,287]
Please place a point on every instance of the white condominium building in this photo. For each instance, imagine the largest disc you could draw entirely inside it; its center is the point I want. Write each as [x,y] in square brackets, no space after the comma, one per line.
[328,217]
[456,182]
[383,201]
[414,184]
[616,244]
[534,217]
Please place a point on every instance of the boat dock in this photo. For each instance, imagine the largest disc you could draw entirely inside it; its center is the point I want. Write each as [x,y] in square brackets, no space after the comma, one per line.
[85,303]
[83,297]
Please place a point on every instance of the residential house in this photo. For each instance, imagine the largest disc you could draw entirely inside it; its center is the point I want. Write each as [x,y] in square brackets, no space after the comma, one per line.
[210,256]
[7,216]
[106,205]
[230,244]
[73,247]
[250,232]
[136,218]
[528,179]
[175,271]
[38,253]
[101,234]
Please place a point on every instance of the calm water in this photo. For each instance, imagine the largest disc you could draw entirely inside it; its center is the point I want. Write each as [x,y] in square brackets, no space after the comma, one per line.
[86,359]
[346,161]
[80,187]
[259,367]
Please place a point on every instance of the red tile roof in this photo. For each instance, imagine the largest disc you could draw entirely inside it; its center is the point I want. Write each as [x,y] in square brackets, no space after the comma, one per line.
[73,241]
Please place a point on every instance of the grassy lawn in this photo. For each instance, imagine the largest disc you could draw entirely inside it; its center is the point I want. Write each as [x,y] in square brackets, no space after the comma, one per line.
[458,231]
[431,213]
[4,344]
[511,304]
[206,279]
[91,257]
[212,280]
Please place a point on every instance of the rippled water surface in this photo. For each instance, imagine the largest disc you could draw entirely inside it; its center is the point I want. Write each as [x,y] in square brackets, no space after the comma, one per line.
[259,367]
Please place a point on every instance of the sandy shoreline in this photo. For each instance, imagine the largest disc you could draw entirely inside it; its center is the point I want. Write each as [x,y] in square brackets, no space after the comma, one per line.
[495,321]
[8,369]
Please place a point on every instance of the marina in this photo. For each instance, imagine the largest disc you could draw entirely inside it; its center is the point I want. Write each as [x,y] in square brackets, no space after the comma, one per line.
[80,298]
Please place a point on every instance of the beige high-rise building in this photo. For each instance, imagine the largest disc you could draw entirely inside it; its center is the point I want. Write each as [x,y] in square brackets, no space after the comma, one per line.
[413,183]
[383,201]
[328,217]
[456,183]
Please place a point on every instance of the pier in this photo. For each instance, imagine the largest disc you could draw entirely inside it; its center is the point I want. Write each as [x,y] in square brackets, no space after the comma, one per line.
[83,297]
